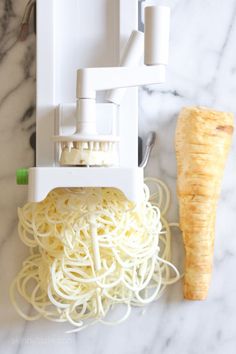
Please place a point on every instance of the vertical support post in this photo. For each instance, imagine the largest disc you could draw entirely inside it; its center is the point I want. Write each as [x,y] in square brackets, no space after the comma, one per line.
[129,107]
[45,84]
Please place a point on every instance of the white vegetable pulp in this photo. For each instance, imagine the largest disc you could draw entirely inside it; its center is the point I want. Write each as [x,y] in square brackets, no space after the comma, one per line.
[92,249]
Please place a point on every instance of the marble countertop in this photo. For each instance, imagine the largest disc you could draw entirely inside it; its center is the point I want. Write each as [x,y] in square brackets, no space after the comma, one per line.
[202,71]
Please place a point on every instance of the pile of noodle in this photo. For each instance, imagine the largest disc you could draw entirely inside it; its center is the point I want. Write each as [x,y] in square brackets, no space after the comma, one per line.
[91,249]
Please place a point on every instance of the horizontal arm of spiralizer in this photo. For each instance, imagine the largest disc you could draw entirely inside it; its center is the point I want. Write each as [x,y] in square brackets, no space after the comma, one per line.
[91,80]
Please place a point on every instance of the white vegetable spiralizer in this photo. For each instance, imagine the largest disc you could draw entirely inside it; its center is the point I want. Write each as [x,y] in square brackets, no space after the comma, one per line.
[89,65]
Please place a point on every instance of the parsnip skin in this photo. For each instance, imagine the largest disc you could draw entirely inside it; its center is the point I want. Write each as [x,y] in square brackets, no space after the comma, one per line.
[203,140]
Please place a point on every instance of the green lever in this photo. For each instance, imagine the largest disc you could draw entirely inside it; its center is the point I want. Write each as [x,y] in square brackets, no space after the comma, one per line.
[22,176]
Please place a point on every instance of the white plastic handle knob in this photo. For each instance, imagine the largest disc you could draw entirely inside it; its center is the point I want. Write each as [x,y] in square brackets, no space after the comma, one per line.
[131,57]
[134,49]
[157,35]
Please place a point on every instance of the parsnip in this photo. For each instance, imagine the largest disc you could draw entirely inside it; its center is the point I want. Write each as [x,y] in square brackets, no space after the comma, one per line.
[203,139]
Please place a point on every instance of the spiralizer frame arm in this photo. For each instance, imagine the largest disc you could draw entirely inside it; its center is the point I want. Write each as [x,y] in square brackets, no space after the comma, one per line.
[91,80]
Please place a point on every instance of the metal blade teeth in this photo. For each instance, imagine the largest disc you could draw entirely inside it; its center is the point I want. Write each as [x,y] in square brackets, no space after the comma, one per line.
[102,146]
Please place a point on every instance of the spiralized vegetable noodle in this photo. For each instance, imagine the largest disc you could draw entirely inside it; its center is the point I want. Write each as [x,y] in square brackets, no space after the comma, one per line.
[91,249]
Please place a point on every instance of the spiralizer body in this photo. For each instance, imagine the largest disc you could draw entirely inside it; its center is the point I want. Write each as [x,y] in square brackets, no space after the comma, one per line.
[89,65]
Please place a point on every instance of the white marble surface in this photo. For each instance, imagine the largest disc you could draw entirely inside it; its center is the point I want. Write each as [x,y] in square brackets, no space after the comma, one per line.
[202,71]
